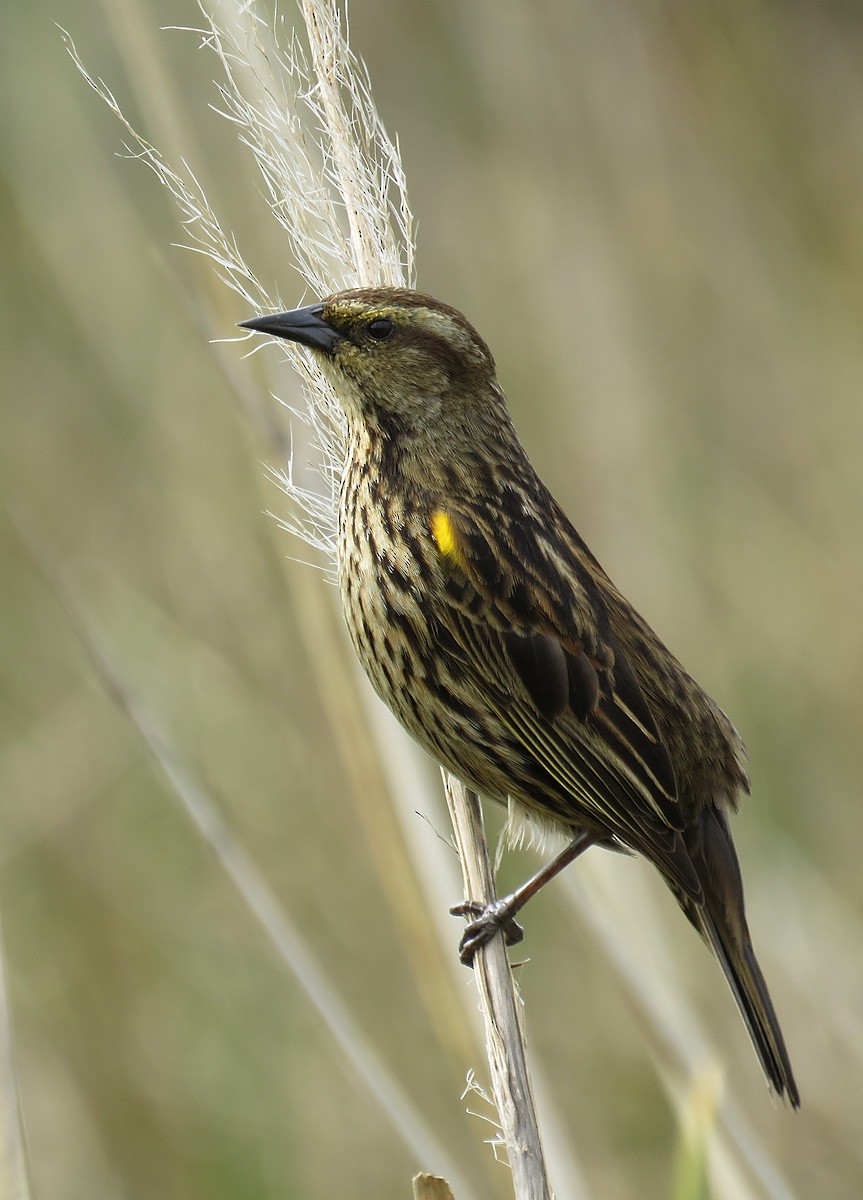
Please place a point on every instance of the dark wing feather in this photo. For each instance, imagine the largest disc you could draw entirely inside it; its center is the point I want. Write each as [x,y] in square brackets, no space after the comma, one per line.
[541,663]
[568,694]
[627,697]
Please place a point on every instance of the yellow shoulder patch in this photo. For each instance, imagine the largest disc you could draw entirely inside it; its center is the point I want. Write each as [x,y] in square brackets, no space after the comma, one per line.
[444,536]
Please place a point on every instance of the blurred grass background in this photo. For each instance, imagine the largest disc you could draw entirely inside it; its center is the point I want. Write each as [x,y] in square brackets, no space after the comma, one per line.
[653,214]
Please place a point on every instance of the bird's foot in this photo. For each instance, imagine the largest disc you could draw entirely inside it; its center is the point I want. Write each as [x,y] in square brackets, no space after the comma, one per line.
[488,919]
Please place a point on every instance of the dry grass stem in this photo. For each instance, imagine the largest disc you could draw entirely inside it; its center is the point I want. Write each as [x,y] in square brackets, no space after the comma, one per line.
[340,196]
[14,1171]
[505,1048]
[431,1187]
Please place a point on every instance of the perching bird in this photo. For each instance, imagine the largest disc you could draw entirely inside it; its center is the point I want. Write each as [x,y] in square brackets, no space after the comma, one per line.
[491,631]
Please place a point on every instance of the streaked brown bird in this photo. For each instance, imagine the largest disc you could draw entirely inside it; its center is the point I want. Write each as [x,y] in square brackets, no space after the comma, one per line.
[496,638]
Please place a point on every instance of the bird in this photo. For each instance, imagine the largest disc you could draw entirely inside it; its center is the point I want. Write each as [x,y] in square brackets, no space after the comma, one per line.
[488,627]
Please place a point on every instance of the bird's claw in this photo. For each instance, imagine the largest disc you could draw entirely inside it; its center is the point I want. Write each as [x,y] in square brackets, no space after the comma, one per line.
[488,919]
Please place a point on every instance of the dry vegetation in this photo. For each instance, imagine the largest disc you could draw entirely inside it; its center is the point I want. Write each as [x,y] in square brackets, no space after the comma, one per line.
[228,963]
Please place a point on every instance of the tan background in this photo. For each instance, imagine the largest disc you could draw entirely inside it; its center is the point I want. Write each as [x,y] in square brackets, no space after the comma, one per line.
[652,211]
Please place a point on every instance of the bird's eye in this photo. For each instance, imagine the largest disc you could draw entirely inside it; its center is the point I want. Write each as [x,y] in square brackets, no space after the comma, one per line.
[380,328]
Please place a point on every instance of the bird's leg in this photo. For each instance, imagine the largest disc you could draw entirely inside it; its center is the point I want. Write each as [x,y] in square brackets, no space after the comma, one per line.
[499,915]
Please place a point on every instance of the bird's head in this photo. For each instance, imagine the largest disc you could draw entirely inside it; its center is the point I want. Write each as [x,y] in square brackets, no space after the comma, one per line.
[399,361]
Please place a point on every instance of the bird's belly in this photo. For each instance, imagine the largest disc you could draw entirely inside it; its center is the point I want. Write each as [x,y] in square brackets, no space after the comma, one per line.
[391,629]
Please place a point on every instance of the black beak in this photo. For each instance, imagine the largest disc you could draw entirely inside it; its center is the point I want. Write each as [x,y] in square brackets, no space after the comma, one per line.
[303,325]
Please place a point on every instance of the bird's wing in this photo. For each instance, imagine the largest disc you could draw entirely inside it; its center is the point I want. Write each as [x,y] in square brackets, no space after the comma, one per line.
[562,685]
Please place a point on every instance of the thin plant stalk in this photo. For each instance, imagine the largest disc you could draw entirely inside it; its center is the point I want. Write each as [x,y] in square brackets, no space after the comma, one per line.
[352,171]
[505,1048]
[14,1173]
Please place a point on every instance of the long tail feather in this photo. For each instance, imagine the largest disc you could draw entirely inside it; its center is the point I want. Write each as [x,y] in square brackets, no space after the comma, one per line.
[721,921]
[753,999]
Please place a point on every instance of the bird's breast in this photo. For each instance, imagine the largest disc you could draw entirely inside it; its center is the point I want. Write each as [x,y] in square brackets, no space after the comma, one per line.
[388,580]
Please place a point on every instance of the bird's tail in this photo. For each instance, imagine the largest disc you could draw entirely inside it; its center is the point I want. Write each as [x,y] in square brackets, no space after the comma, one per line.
[721,921]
